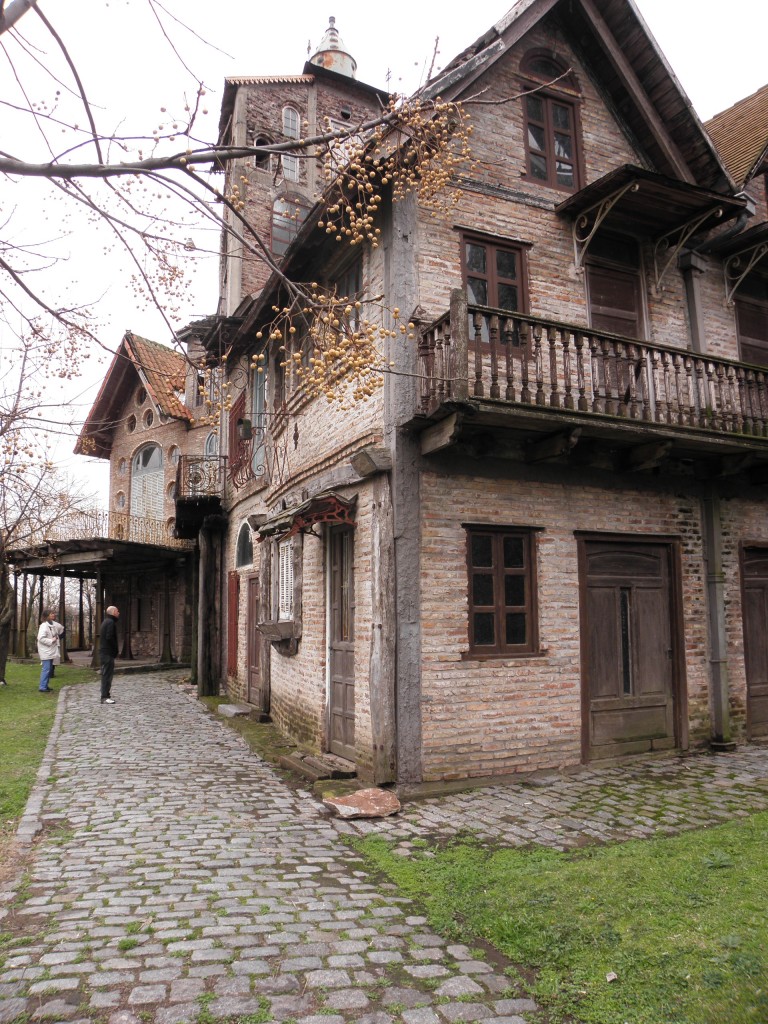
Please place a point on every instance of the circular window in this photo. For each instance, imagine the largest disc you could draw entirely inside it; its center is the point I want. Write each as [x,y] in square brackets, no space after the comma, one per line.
[141,396]
[130,425]
[120,500]
[149,418]
[122,467]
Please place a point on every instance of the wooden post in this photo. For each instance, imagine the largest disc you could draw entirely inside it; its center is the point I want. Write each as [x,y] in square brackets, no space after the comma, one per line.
[126,652]
[460,344]
[166,655]
[65,658]
[99,610]
[80,620]
[209,609]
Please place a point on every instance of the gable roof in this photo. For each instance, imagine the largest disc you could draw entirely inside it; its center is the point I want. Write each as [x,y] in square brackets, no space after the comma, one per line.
[616,45]
[160,369]
[741,135]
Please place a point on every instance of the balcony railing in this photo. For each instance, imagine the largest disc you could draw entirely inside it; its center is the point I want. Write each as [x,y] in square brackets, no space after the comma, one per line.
[480,353]
[200,476]
[97,524]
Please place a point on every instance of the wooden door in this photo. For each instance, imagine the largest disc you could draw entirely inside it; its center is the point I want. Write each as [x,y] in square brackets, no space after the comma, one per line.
[629,685]
[255,695]
[755,618]
[342,644]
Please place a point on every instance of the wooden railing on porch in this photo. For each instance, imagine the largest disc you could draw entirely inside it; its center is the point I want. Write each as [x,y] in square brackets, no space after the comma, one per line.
[99,524]
[474,352]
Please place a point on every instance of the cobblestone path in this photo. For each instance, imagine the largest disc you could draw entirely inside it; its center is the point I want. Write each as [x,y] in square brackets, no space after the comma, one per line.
[634,800]
[178,878]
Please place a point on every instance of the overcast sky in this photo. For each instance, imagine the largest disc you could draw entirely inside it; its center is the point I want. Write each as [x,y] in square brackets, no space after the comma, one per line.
[717,52]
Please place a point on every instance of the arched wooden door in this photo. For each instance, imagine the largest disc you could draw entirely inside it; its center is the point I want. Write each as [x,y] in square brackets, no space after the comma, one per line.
[629,650]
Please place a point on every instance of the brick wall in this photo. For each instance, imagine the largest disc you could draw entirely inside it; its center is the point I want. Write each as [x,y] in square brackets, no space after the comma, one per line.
[519,714]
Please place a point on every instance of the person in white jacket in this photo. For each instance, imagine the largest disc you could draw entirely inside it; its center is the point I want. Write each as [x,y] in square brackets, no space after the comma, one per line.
[48,647]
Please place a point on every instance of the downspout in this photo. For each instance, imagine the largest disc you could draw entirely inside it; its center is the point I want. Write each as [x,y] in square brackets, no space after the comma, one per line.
[718,662]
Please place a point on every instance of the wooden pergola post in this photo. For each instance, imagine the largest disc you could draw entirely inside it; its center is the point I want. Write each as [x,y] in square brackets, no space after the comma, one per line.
[126,652]
[21,647]
[65,658]
[99,601]
[80,619]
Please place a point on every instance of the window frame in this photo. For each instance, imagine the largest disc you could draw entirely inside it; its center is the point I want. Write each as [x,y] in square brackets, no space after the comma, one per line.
[565,92]
[618,268]
[501,648]
[493,244]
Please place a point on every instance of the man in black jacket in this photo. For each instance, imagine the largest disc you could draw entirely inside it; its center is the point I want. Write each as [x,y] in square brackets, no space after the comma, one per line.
[108,652]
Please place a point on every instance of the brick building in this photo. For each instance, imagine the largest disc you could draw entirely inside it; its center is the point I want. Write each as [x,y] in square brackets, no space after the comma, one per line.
[544,539]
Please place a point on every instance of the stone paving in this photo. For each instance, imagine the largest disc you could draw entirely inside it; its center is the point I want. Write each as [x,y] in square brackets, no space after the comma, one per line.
[178,878]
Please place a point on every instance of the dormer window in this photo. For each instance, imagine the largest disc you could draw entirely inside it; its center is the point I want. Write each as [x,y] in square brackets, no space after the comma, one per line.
[550,115]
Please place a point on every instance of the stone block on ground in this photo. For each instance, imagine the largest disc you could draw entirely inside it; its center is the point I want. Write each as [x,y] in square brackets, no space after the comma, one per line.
[365,803]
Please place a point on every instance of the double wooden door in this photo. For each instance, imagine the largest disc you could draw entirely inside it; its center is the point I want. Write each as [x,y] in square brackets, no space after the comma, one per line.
[628,648]
[341,729]
[253,646]
[755,617]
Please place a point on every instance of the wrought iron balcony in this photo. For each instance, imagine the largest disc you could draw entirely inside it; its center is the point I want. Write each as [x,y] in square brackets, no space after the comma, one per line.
[545,373]
[200,483]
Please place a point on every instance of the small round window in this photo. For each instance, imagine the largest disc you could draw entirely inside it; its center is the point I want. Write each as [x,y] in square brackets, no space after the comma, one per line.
[149,418]
[141,396]
[120,501]
[130,425]
[122,467]
[174,455]
[170,490]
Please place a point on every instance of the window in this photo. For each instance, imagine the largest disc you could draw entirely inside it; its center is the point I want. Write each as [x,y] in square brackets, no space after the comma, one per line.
[285,580]
[262,161]
[244,553]
[551,121]
[751,302]
[212,445]
[290,164]
[258,391]
[288,214]
[494,273]
[147,482]
[502,580]
[614,286]
[149,418]
[141,396]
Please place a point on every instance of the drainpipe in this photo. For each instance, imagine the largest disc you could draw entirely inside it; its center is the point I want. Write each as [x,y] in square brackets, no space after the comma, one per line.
[693,266]
[718,661]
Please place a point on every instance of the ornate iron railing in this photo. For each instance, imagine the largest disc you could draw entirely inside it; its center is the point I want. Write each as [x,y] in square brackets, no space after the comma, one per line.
[98,524]
[200,476]
[476,352]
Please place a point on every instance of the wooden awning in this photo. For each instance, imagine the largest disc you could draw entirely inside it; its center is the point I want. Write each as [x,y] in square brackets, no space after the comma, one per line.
[649,205]
[325,507]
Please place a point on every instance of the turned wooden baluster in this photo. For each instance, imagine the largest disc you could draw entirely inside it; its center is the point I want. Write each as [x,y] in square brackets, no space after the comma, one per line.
[477,325]
[508,337]
[743,414]
[713,418]
[623,373]
[722,403]
[594,348]
[633,364]
[761,401]
[610,379]
[426,353]
[538,364]
[649,383]
[581,383]
[565,337]
[699,368]
[554,392]
[493,338]
[733,391]
[691,401]
[666,377]
[755,427]
[442,367]
[676,363]
[525,333]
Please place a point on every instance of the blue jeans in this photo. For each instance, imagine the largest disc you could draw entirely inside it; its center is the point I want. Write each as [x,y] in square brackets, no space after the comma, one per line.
[45,674]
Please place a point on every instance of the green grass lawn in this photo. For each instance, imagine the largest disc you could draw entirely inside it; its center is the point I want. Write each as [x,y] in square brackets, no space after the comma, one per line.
[26,717]
[681,922]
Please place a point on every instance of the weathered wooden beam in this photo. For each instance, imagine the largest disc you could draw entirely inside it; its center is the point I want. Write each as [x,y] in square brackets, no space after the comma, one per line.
[637,92]
[552,447]
[644,456]
[441,435]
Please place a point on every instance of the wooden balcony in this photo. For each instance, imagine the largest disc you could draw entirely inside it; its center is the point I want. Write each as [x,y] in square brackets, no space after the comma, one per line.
[199,491]
[551,386]
[99,524]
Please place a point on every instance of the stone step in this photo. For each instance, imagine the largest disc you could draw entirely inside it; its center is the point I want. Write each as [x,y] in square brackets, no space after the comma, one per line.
[234,710]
